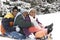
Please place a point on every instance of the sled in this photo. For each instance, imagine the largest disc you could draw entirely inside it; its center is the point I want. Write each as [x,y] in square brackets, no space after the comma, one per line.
[39,35]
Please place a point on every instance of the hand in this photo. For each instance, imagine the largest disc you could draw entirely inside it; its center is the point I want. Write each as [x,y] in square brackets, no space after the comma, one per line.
[31,36]
[42,26]
[17,29]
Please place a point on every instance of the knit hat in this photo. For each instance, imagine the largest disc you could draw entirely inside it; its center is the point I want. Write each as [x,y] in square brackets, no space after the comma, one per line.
[23,10]
[31,9]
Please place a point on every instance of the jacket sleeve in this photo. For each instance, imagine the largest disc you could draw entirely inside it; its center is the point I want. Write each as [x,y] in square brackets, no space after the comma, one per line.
[5,23]
[22,23]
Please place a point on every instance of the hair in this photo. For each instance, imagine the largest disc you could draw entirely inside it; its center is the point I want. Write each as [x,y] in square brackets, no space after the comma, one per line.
[14,8]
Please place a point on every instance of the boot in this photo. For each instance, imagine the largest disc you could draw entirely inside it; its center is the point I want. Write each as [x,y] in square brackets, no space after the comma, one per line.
[50,28]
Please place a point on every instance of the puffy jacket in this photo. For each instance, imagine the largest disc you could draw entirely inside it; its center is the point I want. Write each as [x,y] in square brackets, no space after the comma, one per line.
[7,22]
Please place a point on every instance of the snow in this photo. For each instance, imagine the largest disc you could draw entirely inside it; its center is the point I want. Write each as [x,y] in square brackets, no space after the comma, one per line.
[46,20]
[52,18]
[5,38]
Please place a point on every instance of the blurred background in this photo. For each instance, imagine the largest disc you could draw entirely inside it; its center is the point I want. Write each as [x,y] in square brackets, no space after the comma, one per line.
[42,6]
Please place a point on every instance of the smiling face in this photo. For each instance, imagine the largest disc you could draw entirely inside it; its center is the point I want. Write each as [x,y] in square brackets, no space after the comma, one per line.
[15,11]
[32,13]
[25,14]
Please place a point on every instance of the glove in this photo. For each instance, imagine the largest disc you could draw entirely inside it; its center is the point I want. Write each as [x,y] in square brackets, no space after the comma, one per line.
[17,28]
[31,36]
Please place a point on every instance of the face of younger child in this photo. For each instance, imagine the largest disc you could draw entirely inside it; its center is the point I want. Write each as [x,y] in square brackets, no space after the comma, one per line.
[32,13]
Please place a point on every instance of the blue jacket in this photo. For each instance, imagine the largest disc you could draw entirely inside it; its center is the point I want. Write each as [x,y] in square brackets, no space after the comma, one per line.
[6,22]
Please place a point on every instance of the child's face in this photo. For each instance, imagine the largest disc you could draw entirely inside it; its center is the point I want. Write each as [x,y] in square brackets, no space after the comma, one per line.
[25,14]
[32,13]
[15,12]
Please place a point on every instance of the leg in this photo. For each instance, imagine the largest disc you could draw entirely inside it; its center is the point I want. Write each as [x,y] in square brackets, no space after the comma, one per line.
[15,35]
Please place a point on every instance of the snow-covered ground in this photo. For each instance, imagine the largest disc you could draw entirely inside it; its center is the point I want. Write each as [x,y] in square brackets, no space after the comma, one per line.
[5,38]
[55,19]
[46,20]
